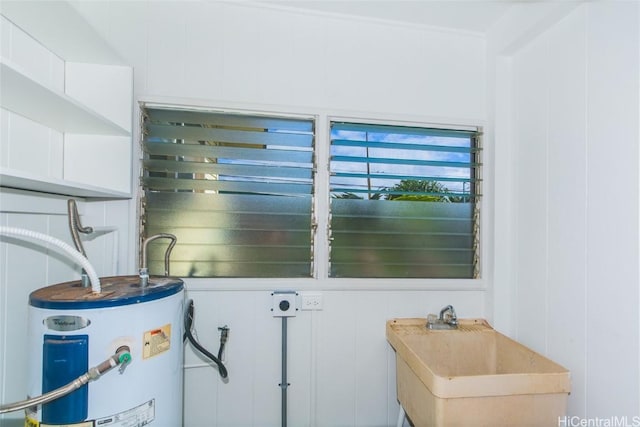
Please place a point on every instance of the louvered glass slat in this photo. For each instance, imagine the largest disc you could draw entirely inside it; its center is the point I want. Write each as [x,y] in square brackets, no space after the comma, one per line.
[400,225]
[207,118]
[403,130]
[381,270]
[387,193]
[399,177]
[399,146]
[399,161]
[218,186]
[290,173]
[253,204]
[258,136]
[403,202]
[235,190]
[213,268]
[227,153]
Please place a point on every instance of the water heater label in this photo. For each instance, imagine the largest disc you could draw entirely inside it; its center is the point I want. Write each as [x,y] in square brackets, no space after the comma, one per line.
[156,341]
[66,323]
[139,416]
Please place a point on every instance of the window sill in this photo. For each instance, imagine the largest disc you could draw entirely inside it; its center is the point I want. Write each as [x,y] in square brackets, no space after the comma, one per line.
[310,284]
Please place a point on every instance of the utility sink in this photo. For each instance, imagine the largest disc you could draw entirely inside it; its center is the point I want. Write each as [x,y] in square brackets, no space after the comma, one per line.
[474,376]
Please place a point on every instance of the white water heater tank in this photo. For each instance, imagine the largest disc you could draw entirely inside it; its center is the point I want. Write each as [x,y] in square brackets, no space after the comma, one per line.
[72,329]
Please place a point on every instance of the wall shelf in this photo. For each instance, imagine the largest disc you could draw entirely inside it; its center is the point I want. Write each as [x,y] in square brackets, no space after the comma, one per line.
[13,178]
[31,99]
[67,105]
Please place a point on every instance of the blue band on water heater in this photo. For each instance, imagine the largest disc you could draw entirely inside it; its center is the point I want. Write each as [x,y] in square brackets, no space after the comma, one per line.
[128,295]
[65,358]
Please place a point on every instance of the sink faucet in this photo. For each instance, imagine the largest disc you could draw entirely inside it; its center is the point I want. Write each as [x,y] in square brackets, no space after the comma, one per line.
[446,320]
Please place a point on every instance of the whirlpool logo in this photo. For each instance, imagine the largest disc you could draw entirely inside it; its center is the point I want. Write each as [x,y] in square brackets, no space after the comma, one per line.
[66,323]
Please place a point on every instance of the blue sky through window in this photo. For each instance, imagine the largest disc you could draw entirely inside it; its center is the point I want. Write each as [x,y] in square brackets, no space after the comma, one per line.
[377,160]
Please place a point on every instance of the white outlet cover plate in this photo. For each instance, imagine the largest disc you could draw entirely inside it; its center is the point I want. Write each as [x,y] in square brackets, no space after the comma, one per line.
[311,301]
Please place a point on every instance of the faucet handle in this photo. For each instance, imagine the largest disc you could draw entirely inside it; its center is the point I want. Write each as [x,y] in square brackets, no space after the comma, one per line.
[450,313]
[453,319]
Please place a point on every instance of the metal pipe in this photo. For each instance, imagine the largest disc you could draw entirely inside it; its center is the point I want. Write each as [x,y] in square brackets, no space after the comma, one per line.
[123,356]
[284,384]
[402,415]
[75,226]
[144,271]
[166,254]
[47,397]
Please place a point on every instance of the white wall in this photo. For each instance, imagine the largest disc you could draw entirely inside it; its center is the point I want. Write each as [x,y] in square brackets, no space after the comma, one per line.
[230,53]
[567,119]
[342,370]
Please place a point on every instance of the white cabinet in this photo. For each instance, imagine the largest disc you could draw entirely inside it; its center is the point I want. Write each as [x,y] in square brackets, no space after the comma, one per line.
[66,105]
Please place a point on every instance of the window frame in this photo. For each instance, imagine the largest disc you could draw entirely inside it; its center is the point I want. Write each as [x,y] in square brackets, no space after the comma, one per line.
[478,205]
[320,280]
[250,189]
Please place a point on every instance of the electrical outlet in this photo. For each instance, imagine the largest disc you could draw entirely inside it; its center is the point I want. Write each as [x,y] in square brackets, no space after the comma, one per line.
[311,301]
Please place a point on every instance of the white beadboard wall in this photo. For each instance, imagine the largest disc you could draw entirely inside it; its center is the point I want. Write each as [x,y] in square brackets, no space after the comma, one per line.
[568,113]
[239,53]
[341,369]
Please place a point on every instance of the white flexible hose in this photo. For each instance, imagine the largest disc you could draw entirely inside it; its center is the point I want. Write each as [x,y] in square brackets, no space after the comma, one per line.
[68,249]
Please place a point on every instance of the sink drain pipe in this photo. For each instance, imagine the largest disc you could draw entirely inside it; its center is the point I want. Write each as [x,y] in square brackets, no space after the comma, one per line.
[402,416]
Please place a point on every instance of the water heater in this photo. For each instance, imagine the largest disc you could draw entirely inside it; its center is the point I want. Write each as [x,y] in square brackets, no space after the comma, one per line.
[72,329]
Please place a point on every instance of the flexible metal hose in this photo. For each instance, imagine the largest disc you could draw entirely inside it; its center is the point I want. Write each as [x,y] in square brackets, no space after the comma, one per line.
[47,397]
[121,357]
[22,233]
[75,227]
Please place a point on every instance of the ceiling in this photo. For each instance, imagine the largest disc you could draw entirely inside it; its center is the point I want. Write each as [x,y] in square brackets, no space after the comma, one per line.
[466,15]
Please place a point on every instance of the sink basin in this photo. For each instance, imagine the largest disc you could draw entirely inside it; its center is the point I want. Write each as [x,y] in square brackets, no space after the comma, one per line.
[474,375]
